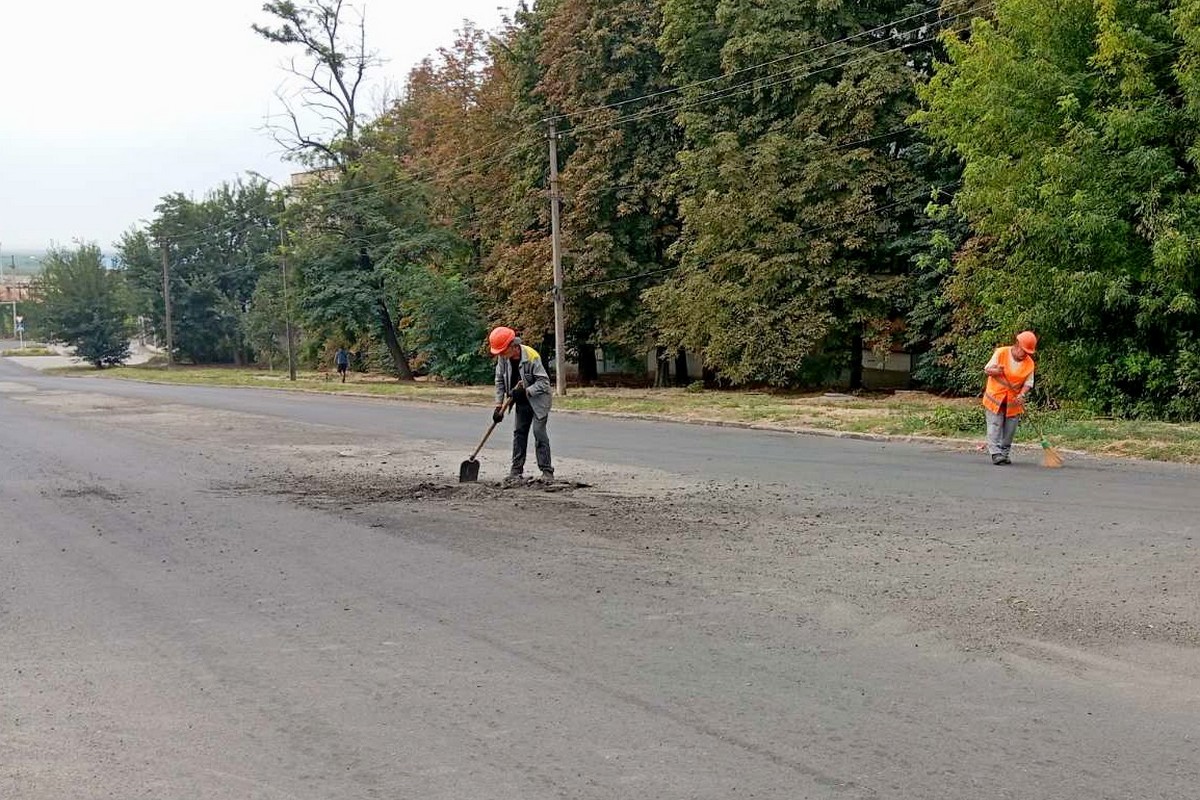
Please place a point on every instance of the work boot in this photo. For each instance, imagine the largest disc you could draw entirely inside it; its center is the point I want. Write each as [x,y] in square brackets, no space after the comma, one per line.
[997,460]
[547,477]
[1005,460]
[514,479]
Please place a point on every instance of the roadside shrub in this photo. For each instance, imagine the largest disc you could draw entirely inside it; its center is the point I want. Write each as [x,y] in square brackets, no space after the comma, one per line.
[445,326]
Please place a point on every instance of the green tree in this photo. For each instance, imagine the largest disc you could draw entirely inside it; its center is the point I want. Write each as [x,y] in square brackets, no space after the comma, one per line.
[217,249]
[796,183]
[446,327]
[82,305]
[140,264]
[1076,124]
[349,198]
[619,215]
[358,243]
[264,325]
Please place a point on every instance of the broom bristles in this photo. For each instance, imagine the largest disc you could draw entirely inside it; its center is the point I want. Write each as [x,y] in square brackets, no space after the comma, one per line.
[1051,457]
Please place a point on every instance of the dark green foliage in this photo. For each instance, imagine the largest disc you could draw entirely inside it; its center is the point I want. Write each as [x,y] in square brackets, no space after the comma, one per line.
[445,326]
[1076,122]
[217,249]
[264,325]
[619,216]
[362,236]
[795,189]
[82,305]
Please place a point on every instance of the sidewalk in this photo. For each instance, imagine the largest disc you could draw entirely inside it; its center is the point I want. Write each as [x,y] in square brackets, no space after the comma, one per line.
[65,358]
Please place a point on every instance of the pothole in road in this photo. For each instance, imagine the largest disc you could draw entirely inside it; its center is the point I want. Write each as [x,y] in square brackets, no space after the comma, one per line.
[91,491]
[380,489]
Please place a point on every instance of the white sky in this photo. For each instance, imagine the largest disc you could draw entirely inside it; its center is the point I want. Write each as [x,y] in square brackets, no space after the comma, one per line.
[107,106]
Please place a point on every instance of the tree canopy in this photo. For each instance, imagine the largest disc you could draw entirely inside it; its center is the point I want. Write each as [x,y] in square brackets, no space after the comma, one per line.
[1076,125]
[83,305]
[779,188]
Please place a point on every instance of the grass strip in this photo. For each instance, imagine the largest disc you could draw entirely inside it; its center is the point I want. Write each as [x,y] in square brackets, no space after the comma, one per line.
[899,414]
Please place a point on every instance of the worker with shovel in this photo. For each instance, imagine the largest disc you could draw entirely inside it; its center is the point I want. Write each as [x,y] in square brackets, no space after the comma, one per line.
[521,378]
[1009,379]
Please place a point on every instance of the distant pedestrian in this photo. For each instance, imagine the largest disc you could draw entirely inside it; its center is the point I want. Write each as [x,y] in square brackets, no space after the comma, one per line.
[521,376]
[1009,380]
[342,359]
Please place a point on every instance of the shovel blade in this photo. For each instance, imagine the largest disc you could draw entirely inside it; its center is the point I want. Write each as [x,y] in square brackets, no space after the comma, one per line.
[468,471]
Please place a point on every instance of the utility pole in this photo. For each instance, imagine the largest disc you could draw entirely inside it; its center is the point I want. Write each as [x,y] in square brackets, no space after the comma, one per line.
[12,260]
[287,308]
[560,327]
[167,305]
[287,303]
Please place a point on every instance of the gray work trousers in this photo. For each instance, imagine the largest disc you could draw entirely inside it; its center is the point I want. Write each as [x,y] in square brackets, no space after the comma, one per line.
[541,439]
[1000,432]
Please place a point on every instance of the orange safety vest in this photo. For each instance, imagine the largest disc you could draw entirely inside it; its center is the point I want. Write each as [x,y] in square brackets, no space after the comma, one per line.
[996,394]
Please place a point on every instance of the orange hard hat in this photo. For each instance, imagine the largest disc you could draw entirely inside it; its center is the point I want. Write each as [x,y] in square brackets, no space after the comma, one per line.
[500,338]
[1028,341]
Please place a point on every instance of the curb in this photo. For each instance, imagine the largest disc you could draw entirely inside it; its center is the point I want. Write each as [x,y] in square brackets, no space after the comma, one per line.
[885,438]
[829,433]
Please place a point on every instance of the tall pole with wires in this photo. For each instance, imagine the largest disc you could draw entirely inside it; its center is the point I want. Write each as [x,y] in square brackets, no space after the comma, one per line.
[287,303]
[15,292]
[283,270]
[167,304]
[560,326]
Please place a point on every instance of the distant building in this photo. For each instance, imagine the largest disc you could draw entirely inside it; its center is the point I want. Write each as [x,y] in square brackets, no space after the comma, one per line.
[301,179]
[15,288]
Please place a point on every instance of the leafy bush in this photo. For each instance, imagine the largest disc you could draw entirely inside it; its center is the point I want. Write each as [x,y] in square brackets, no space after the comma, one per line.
[445,326]
[82,305]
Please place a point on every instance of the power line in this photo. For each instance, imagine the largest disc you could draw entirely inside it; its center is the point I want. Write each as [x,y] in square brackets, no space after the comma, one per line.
[772,62]
[196,238]
[758,84]
[437,173]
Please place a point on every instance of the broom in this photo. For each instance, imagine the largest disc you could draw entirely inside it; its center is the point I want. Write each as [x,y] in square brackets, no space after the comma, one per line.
[1051,458]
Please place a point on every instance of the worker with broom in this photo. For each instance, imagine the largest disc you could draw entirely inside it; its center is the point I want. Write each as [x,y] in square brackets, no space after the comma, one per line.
[521,377]
[1009,379]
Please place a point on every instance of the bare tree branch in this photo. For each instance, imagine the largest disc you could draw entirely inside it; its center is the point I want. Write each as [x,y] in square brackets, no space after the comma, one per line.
[337,69]
[294,140]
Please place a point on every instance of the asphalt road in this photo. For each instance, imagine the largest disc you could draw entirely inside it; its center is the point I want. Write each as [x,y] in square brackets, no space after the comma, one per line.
[171,629]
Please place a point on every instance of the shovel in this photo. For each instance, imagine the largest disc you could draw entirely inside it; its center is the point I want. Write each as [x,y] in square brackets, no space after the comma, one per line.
[468,471]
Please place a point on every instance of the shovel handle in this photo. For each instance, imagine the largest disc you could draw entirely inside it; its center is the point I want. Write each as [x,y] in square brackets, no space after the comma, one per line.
[487,435]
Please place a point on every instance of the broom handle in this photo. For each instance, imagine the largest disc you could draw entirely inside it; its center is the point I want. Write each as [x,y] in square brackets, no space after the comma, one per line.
[488,435]
[1038,430]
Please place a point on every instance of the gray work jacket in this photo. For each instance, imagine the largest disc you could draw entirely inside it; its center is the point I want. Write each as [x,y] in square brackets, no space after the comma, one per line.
[535,377]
